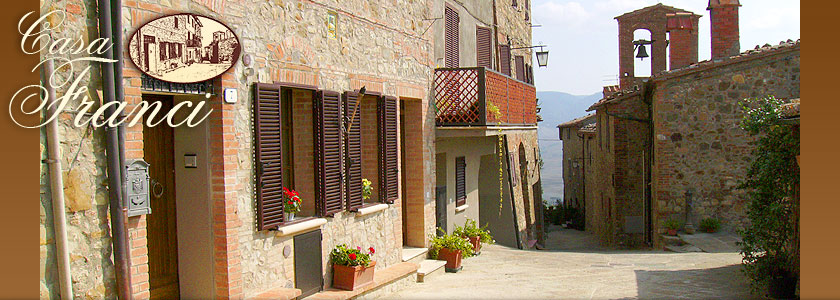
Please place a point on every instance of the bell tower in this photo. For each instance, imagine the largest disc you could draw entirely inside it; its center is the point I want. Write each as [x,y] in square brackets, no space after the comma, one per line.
[655,19]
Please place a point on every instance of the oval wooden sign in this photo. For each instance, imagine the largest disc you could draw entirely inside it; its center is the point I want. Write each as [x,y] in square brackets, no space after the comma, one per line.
[184,48]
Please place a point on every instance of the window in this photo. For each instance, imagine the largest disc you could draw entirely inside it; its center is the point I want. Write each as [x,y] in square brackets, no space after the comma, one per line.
[451,38]
[504,56]
[460,181]
[176,22]
[162,50]
[520,68]
[484,47]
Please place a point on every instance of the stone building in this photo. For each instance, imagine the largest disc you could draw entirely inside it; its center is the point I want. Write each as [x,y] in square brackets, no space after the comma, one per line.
[177,40]
[486,144]
[574,160]
[212,231]
[669,146]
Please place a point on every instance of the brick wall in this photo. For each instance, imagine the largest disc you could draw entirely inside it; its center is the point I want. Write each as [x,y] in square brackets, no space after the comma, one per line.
[725,29]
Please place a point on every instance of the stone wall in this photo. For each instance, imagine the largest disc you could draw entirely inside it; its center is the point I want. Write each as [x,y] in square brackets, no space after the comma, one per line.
[528,139]
[698,144]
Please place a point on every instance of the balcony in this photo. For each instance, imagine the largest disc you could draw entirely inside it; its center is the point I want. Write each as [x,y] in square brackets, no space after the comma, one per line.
[482,97]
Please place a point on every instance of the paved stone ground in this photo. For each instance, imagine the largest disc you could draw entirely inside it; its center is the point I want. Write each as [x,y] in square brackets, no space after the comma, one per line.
[576,268]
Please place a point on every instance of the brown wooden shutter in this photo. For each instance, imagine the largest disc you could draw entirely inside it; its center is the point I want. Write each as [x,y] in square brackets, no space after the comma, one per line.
[504,56]
[451,38]
[388,149]
[483,47]
[268,154]
[460,181]
[520,68]
[353,153]
[329,162]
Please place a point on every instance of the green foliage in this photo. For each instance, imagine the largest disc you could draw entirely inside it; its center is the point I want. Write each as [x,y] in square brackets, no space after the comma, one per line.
[673,224]
[769,245]
[558,215]
[451,242]
[470,229]
[345,256]
[709,225]
[367,188]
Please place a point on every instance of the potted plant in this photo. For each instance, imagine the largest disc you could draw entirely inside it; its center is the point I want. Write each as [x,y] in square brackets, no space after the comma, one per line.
[475,234]
[292,204]
[451,248]
[709,225]
[352,268]
[367,189]
[672,225]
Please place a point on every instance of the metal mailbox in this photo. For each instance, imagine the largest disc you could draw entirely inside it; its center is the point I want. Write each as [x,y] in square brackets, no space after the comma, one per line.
[137,188]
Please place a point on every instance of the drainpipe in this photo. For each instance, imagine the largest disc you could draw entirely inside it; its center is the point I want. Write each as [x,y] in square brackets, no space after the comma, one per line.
[117,33]
[57,188]
[118,217]
[496,38]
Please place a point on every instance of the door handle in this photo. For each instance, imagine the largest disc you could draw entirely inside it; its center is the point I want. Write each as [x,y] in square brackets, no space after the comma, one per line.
[155,185]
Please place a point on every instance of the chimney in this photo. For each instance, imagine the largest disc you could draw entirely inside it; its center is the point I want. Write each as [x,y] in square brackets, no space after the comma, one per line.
[725,34]
[683,39]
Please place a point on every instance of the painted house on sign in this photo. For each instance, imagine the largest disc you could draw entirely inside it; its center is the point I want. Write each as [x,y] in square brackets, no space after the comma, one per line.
[296,119]
[487,160]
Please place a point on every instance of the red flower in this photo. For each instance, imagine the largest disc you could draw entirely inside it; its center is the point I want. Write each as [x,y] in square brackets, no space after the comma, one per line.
[286,192]
[290,202]
[372,251]
[352,256]
[358,248]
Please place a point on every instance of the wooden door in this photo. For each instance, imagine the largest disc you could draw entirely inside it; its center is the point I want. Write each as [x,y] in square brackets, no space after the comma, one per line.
[308,277]
[162,236]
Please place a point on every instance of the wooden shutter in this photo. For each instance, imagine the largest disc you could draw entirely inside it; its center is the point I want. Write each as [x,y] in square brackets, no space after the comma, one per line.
[329,162]
[451,38]
[460,181]
[388,149]
[353,153]
[268,154]
[520,68]
[504,56]
[483,47]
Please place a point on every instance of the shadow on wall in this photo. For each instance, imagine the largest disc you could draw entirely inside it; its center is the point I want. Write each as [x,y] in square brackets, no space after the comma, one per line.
[719,283]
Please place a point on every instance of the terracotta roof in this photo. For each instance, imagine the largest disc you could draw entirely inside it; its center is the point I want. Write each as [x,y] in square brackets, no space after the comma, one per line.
[588,128]
[577,121]
[661,6]
[757,52]
[617,96]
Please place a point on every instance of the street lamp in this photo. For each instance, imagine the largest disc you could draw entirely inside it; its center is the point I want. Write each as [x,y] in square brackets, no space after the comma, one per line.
[542,55]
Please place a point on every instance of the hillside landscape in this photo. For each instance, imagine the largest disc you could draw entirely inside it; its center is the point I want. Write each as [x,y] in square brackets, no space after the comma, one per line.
[556,108]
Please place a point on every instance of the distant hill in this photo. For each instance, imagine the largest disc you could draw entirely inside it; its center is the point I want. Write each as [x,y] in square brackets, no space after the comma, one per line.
[556,108]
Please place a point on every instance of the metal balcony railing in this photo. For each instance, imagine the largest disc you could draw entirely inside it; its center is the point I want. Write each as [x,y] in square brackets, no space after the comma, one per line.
[482,97]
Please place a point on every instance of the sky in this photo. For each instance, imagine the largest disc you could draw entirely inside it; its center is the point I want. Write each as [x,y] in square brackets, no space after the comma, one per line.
[582,36]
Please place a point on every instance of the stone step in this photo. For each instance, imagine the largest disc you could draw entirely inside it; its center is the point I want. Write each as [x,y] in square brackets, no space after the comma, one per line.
[683,249]
[669,240]
[414,255]
[429,268]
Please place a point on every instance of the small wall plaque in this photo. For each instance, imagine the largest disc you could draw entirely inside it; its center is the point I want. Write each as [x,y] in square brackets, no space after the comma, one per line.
[230,95]
[190,161]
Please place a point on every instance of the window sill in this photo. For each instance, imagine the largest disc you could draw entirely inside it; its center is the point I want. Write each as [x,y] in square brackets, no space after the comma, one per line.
[300,227]
[461,208]
[371,209]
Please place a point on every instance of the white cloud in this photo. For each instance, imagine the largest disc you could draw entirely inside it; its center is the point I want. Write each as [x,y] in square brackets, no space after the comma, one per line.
[568,13]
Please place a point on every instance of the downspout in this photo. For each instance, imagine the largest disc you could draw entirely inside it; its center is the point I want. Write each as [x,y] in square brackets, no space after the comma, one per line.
[117,30]
[118,216]
[57,189]
[496,38]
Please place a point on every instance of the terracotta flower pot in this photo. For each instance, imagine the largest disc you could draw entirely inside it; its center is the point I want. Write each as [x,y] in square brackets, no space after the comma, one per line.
[351,278]
[452,258]
[476,242]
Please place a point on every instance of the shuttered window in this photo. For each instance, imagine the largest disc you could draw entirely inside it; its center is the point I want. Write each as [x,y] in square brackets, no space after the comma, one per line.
[460,181]
[268,154]
[388,149]
[451,38]
[504,56]
[520,68]
[483,47]
[329,154]
[353,153]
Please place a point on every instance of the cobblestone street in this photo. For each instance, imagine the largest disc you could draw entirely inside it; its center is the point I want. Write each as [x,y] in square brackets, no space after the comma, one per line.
[575,268]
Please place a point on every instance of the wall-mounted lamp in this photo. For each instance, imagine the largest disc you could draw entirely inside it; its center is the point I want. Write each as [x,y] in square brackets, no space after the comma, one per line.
[542,55]
[640,46]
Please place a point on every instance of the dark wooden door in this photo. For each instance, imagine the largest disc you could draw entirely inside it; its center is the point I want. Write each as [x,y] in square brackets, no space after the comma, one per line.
[161,227]
[308,276]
